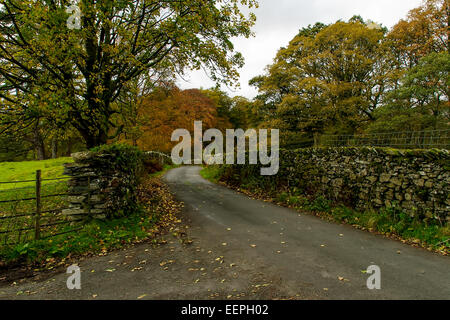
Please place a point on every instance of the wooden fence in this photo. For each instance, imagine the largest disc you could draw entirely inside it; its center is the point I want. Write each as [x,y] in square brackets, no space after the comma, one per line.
[32,210]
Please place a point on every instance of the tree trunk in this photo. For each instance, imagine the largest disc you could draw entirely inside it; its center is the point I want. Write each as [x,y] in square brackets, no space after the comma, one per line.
[54,148]
[38,143]
[95,140]
[69,147]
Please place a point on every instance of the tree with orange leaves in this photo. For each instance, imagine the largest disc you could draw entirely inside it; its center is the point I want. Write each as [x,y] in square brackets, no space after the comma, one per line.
[425,30]
[169,108]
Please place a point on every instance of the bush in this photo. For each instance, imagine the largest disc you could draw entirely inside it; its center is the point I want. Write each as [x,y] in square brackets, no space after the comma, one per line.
[120,157]
[152,166]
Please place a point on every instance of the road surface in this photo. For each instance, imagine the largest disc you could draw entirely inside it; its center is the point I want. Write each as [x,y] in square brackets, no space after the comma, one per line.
[250,249]
[308,255]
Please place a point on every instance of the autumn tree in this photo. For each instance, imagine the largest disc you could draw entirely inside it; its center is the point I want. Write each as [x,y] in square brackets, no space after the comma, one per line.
[223,104]
[244,113]
[75,76]
[329,79]
[168,108]
[420,47]
[421,102]
[424,31]
[233,112]
[131,100]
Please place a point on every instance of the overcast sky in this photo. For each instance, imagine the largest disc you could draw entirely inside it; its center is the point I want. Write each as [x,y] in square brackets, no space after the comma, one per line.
[278,21]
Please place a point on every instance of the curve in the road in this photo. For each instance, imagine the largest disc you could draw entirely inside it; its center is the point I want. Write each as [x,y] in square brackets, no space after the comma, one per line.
[304,252]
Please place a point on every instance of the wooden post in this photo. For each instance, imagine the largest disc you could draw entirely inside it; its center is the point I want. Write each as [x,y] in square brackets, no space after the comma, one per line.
[38,205]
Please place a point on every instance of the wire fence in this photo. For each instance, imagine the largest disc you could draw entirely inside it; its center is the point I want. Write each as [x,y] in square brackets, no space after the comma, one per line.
[32,210]
[439,139]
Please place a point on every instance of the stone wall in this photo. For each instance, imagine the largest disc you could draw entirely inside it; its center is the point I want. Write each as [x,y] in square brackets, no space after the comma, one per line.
[417,181]
[102,185]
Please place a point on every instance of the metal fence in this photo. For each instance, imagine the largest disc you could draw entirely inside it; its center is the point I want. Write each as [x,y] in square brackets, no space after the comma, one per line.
[32,210]
[439,139]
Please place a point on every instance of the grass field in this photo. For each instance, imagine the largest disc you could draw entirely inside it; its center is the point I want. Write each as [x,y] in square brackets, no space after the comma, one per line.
[17,215]
[26,170]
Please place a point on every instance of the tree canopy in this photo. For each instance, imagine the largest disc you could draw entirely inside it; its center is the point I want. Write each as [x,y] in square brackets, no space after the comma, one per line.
[357,76]
[74,76]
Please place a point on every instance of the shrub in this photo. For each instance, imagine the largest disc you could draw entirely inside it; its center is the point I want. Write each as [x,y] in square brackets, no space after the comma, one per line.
[320,204]
[152,166]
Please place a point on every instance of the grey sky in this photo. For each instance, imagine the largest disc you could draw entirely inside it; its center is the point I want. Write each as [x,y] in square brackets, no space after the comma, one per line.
[279,21]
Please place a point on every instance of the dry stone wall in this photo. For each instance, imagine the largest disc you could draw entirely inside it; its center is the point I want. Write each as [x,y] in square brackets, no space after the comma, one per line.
[103,184]
[417,181]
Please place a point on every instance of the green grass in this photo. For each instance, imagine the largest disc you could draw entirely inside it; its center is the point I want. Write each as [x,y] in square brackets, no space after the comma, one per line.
[94,237]
[394,221]
[211,173]
[26,170]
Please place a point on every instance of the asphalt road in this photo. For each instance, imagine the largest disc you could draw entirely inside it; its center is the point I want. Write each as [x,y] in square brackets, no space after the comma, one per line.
[308,256]
[249,249]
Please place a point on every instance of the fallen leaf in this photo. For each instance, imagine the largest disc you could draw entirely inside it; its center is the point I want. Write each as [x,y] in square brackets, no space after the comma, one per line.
[136,269]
